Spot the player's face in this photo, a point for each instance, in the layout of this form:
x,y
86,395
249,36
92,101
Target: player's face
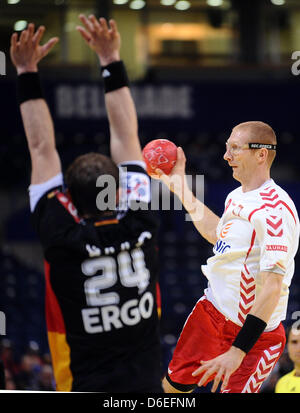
x,y
294,346
239,156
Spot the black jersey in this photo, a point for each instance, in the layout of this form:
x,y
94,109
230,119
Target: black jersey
x,y
101,299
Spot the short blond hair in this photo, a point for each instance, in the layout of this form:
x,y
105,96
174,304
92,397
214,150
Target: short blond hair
x,y
260,132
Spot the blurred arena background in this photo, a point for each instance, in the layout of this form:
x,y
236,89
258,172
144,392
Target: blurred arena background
x,y
197,68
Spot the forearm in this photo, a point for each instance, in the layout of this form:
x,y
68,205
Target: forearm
x,y
261,312
38,125
121,112
39,130
205,220
26,52
105,40
120,109
122,122
35,113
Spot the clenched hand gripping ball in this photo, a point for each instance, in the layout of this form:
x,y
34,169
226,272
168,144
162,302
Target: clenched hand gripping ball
x,y
161,154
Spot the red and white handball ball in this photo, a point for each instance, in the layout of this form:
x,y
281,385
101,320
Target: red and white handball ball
x,y
161,154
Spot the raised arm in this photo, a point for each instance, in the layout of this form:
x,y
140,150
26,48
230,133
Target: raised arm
x,y
105,41
25,53
205,220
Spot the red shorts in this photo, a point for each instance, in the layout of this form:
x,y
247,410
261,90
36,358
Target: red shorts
x,y
207,334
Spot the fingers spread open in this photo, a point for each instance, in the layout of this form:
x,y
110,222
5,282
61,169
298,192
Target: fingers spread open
x,y
209,372
87,23
103,24
217,380
86,35
48,46
38,35
24,37
30,31
113,26
95,23
199,369
225,381
13,41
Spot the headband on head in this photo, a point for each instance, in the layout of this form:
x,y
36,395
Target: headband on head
x,y
262,145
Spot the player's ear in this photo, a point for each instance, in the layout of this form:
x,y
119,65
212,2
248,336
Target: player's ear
x,y
262,154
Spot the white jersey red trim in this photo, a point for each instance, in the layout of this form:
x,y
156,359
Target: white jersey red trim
x,y
258,231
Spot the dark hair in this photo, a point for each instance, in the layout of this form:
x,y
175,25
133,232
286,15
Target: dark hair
x,y
290,329
81,178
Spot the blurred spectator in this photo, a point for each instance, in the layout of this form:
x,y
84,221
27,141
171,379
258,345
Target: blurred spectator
x,y
290,382
34,372
285,364
45,379
46,359
27,378
33,351
7,356
9,381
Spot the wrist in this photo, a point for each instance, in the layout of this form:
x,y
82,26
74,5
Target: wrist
x,y
238,352
26,69
250,332
114,76
106,60
28,87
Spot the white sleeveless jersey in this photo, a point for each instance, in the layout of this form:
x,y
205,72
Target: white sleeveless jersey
x,y
258,231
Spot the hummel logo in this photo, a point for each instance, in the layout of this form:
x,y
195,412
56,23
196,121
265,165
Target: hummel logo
x,y
274,226
106,73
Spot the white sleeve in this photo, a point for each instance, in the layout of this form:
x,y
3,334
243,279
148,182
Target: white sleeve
x,y
274,231
134,185
38,190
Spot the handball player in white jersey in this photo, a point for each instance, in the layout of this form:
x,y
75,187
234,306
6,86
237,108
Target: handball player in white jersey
x,y
234,334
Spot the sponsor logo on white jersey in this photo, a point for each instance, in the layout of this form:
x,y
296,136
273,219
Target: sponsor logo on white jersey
x,y
221,247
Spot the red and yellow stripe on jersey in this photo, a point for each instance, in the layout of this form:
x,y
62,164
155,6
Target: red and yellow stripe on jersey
x,y
59,348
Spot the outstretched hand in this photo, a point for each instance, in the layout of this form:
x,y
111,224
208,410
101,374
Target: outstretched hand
x,y
26,51
103,39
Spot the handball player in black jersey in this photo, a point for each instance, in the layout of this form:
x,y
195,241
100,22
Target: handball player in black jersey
x,y
97,231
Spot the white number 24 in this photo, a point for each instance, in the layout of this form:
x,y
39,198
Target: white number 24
x,y
132,271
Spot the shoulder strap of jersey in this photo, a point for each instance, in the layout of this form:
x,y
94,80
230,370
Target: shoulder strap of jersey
x,y
65,200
